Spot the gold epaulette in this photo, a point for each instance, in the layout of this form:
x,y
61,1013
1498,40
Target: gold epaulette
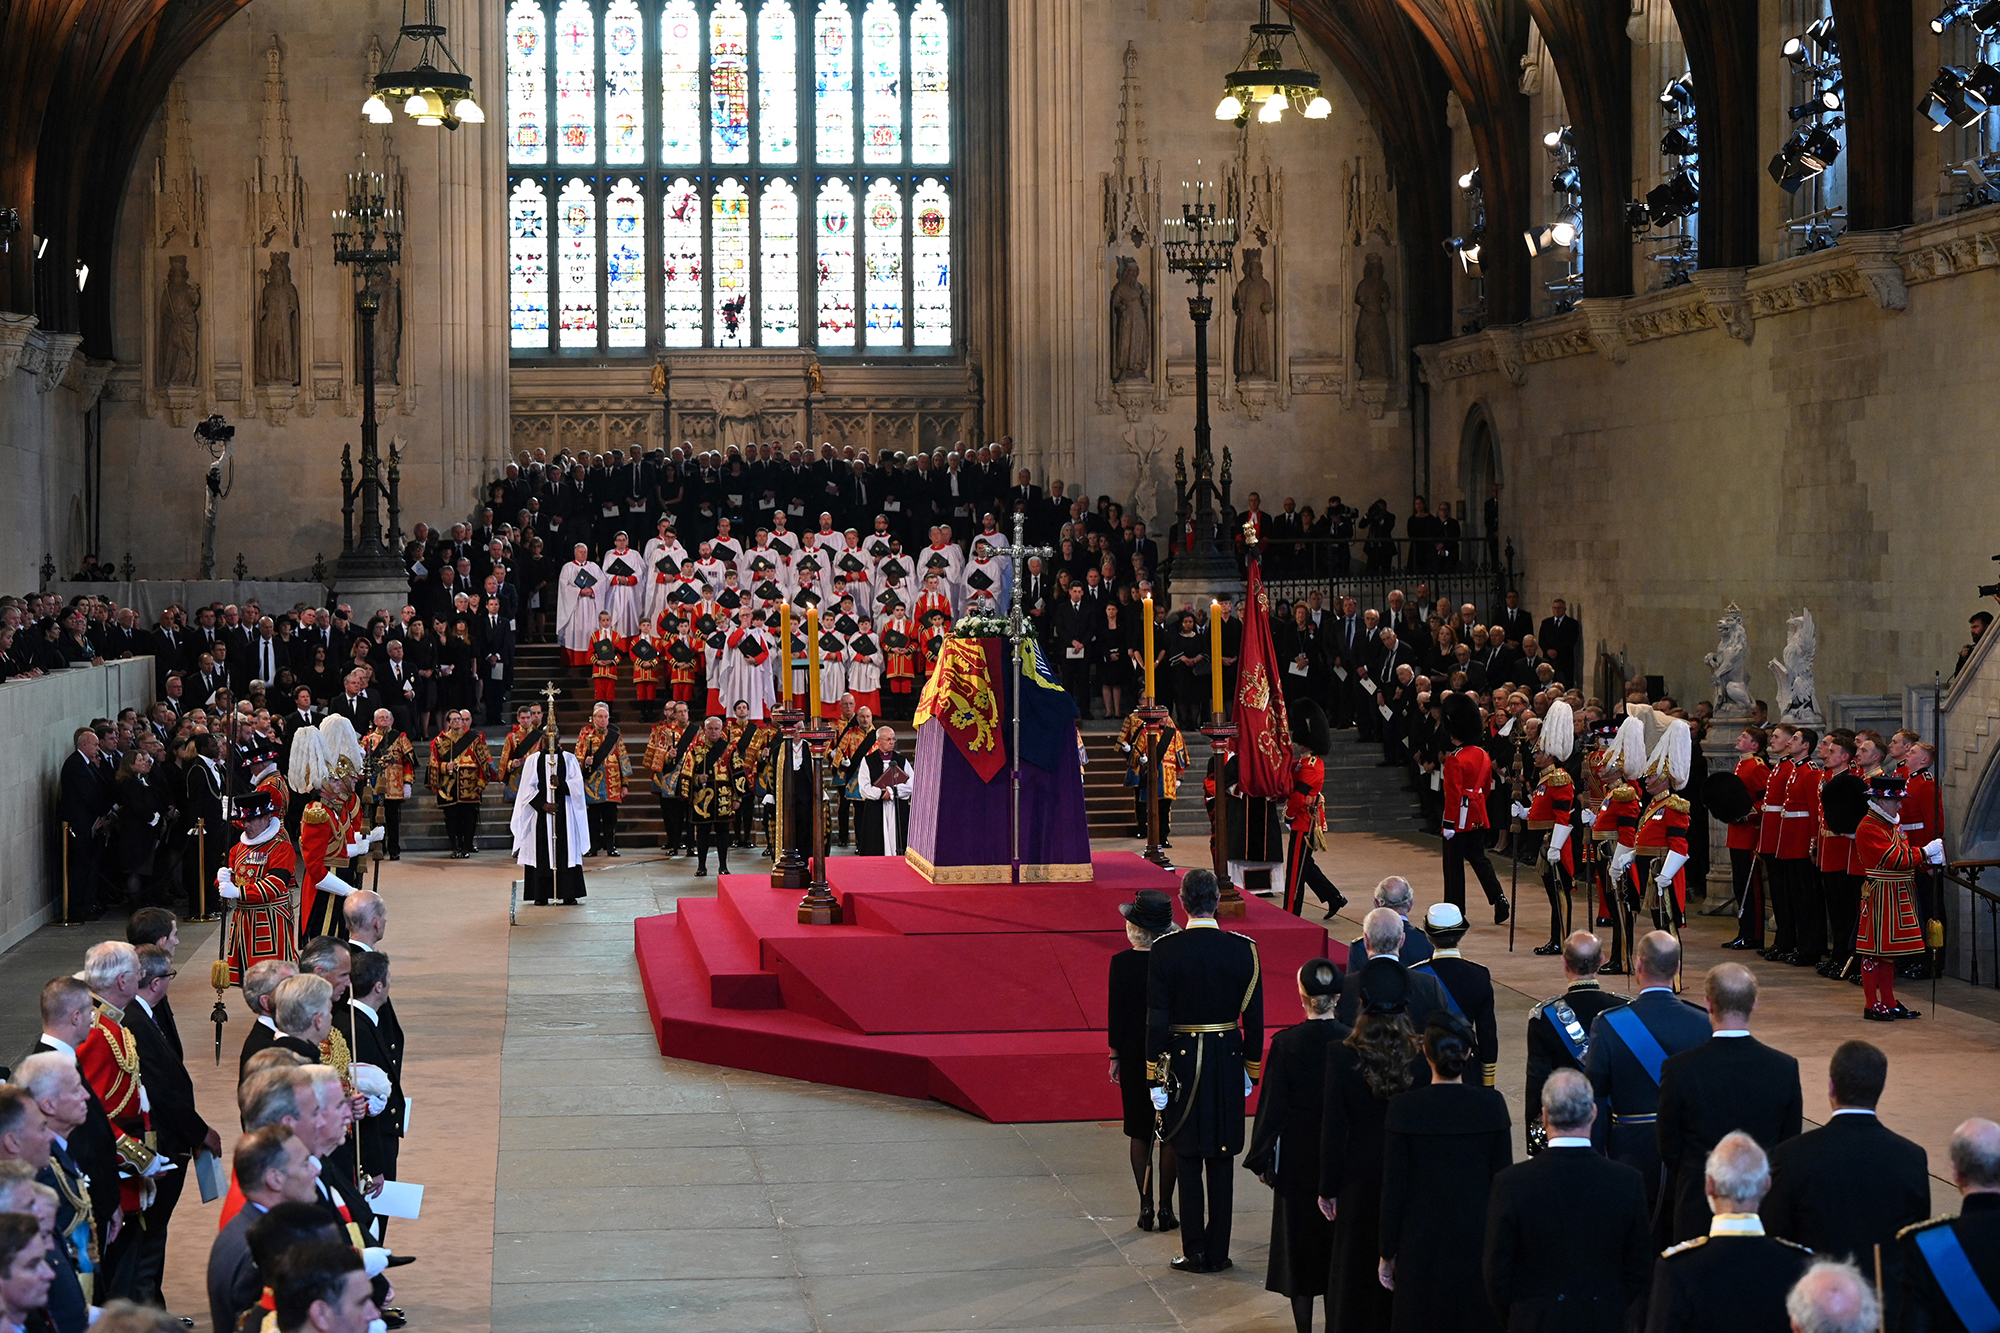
x,y
1683,1247
316,813
334,1052
1927,1222
1677,804
1622,792
1558,777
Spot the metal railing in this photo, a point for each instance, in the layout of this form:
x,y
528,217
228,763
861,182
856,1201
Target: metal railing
x,y
1476,570
1979,893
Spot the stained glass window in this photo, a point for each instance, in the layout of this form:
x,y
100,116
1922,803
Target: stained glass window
x,y
576,83
576,264
834,232
778,249
930,264
730,261
884,258
930,85
625,266
882,83
777,83
728,82
527,94
680,83
680,268
833,81
528,258
624,84
683,174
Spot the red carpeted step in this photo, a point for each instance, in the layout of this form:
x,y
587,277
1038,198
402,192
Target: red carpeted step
x,y
931,983
727,956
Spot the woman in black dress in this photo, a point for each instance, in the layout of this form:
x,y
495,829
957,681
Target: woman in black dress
x,y
1442,1146
1112,654
1285,1143
1148,916
142,818
461,681
420,653
1381,1059
1184,655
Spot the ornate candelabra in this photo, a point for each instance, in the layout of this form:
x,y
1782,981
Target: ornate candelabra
x,y
368,234
1202,245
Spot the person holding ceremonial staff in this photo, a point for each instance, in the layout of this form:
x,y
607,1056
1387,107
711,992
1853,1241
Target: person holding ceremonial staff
x,y
549,825
257,883
457,777
606,769
708,785
393,767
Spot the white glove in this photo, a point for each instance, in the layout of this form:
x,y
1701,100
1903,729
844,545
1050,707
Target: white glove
x,y
1934,851
1589,818
374,1260
1520,811
1558,836
1447,830
226,888
335,885
378,833
371,1082
1619,860
359,847
1669,868
1159,1099
224,875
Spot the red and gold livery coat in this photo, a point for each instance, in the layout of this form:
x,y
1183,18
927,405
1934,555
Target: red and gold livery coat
x,y
1623,806
260,922
108,1060
1663,828
1305,806
1552,804
328,828
1888,925
1468,773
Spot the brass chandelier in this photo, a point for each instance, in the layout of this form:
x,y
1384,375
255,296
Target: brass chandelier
x,y
1273,76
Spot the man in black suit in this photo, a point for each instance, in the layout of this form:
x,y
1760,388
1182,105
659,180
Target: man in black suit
x,y
1568,1234
167,642
1394,893
1730,1275
1629,1048
1205,1036
1514,621
1382,932
1949,1245
266,653
1730,1082
67,1014
260,983
305,1099
367,922
1852,1184
276,1175
86,803
181,1130
1559,1027
496,653
375,1044
1073,627
1561,637
356,702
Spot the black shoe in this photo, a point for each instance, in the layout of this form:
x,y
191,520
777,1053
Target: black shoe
x,y
1879,1015
1549,950
1166,1221
722,868
1737,944
700,871
1188,1263
614,852
1800,960
1220,1266
538,902
1501,911
1333,909
1146,1218
1612,970
395,856
1900,1012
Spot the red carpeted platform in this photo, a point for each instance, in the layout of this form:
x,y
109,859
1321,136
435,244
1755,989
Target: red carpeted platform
x,y
987,996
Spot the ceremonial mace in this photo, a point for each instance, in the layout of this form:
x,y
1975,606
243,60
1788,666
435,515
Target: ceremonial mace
x,y
1515,825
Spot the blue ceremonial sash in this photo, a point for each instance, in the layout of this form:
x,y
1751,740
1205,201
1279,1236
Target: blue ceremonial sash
x,y
1450,1000
1639,1040
1562,1018
1961,1286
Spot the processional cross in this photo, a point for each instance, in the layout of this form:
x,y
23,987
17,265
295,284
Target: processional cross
x,y
1020,553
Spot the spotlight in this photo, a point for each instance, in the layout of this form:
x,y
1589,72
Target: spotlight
x,y
1819,105
1674,199
1805,155
1984,83
1974,172
1470,180
82,274
1556,138
1636,216
1464,251
1820,34
1676,143
1678,94
1986,16
1950,14
1567,181
1957,96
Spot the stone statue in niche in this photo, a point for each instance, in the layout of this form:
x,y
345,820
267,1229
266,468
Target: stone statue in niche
x,y
178,358
1373,359
1729,666
739,413
1796,700
1131,324
388,330
1253,306
278,324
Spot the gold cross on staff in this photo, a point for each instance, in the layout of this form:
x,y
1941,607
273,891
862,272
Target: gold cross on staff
x,y
1250,531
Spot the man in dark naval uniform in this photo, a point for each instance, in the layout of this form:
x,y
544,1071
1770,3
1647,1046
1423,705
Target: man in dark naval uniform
x,y
1204,1047
1629,1045
1559,1027
1735,1278
1951,1265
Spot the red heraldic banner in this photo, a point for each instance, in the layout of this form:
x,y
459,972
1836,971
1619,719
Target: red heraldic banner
x,y
1263,733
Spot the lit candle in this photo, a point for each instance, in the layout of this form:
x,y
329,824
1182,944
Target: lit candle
x,y
1146,619
1215,658
812,661
785,652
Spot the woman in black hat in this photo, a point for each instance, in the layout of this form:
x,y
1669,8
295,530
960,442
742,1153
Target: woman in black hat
x,y
1379,1060
1148,916
1442,1145
1285,1143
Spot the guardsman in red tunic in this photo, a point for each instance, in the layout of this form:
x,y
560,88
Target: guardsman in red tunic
x,y
1888,928
1922,820
108,1060
1833,856
1795,869
1780,742
257,882
1305,812
333,833
1468,775
1745,870
1660,846
1547,817
1618,824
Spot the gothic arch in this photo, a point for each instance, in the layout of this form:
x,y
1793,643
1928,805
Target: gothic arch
x,y
1479,465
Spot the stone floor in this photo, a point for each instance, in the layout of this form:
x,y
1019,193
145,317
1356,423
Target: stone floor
x,y
577,1180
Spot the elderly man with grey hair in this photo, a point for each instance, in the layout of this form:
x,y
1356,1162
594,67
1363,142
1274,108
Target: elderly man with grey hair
x,y
1395,893
1382,932
1590,1281
1951,1259
1734,1279
22,1192
259,984
1833,1298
